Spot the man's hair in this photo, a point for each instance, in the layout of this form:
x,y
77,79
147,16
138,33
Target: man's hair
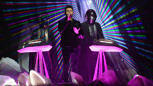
x,y
68,6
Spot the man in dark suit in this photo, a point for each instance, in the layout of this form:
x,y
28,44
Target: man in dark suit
x,y
91,32
91,29
68,28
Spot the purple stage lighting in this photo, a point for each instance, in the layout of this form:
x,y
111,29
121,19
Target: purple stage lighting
x,y
101,58
39,50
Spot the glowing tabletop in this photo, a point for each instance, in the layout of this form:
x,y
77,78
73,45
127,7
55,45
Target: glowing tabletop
x,y
101,58
39,57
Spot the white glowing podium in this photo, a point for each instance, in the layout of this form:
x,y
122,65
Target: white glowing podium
x,y
101,58
39,57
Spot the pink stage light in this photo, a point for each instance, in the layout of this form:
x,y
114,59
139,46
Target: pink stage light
x,y
97,48
35,49
139,80
101,58
39,50
76,78
109,78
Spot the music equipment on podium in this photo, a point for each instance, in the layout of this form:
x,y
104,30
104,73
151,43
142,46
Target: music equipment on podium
x,y
102,46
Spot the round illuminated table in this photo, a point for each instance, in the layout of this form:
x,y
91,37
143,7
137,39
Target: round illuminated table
x,y
41,68
101,58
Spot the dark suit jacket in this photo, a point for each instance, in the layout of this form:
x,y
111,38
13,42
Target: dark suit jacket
x,y
86,33
87,59
68,37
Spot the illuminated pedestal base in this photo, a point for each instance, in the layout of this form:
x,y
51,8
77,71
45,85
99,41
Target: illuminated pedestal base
x,y
101,58
39,58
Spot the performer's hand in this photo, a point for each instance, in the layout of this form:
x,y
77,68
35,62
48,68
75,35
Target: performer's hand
x,y
76,31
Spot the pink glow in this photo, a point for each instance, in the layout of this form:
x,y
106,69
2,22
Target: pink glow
x,y
76,78
40,61
110,78
69,17
46,72
81,37
98,74
96,69
105,64
91,21
41,70
139,80
35,49
99,66
97,48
